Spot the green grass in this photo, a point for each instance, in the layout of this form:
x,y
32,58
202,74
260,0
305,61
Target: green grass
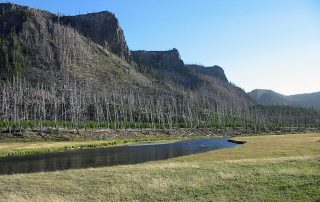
x,y
266,168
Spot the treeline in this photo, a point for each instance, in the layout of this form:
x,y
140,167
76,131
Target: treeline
x,y
78,105
276,116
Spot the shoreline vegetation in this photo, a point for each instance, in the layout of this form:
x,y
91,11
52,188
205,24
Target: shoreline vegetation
x,y
15,149
43,109
50,140
268,167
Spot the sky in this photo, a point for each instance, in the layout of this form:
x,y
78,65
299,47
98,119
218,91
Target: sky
x,y
261,44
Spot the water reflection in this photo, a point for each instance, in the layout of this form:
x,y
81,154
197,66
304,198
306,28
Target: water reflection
x,y
130,154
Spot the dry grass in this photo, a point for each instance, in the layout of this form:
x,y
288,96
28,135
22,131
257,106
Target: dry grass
x,y
267,168
17,149
269,146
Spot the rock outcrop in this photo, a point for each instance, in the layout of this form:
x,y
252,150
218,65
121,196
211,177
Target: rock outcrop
x,y
161,59
104,29
214,71
168,68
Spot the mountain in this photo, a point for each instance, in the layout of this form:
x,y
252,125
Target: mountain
x,y
104,29
269,97
91,48
46,48
203,82
214,71
79,68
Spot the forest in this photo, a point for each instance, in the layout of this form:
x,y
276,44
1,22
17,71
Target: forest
x,y
58,72
76,105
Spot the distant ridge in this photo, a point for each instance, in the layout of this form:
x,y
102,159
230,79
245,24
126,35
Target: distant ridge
x,y
269,97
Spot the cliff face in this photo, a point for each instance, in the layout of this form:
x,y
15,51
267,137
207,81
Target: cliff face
x,y
214,71
171,61
168,68
165,66
161,59
103,28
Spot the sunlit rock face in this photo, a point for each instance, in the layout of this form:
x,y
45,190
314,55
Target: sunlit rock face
x,y
104,29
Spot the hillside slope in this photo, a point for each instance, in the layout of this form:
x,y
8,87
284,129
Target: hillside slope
x,y
202,82
269,97
79,68
104,29
55,52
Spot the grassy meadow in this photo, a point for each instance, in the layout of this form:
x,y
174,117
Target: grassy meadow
x,y
266,168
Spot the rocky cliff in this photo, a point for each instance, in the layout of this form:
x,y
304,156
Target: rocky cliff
x,y
171,61
162,59
168,68
165,66
103,28
214,71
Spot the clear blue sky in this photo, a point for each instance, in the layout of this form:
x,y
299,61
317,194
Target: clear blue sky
x,y
270,44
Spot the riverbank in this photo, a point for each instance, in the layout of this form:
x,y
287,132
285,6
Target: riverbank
x,y
266,168
49,140
65,134
10,149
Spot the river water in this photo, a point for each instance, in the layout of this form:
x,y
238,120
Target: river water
x,y
121,155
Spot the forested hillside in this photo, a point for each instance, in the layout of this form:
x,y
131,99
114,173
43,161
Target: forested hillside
x,y
77,71
269,97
